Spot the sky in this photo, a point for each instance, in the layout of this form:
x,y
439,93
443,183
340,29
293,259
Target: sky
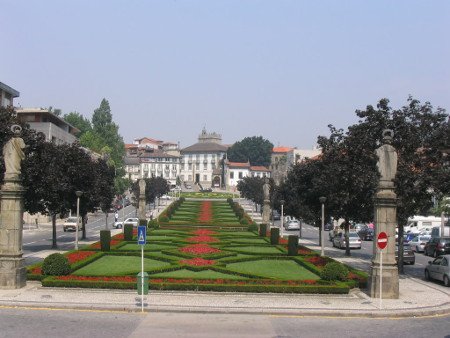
x,y
280,69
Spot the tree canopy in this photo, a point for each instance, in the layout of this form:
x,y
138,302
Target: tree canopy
x,y
255,149
78,121
155,187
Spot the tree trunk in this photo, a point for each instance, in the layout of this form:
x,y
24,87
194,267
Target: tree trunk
x,y
320,231
54,246
83,226
400,249
347,244
106,220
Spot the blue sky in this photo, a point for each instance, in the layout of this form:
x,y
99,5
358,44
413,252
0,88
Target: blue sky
x,y
280,69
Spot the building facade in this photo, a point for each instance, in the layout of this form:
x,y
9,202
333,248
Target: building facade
x,y
54,128
7,95
201,162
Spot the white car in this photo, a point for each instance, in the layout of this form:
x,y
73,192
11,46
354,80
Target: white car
x,y
165,197
134,221
354,241
292,225
71,224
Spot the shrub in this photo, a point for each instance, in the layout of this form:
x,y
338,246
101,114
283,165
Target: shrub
x,y
244,221
163,218
262,230
128,232
252,227
229,200
274,236
334,271
292,245
105,240
153,224
55,265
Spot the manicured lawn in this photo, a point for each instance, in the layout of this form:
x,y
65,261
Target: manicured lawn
x,y
280,269
255,249
118,265
205,274
148,247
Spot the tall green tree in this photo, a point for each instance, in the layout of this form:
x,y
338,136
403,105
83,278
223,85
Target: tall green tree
x,y
78,121
255,149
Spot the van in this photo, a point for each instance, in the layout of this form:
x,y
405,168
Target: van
x,y
436,232
418,223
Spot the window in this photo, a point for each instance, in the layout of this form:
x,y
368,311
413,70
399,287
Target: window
x,y
240,175
182,177
197,166
189,166
205,177
190,178
232,174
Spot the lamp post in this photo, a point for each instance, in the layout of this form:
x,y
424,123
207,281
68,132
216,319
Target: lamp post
x,y
78,193
282,215
322,228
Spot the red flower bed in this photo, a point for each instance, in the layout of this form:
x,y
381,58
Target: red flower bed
x,y
201,232
205,212
103,279
79,256
317,261
354,276
231,282
36,271
203,238
283,241
198,261
119,237
113,242
199,249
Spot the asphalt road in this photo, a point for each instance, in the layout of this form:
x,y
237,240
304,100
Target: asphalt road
x,y
37,239
61,323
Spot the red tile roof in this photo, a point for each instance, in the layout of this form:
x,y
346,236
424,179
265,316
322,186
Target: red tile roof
x,y
281,149
258,168
239,164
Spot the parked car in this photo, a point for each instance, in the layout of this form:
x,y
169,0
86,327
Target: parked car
x,y
366,233
354,241
275,216
132,220
408,255
437,246
293,224
439,269
206,190
417,244
71,224
165,197
357,226
328,227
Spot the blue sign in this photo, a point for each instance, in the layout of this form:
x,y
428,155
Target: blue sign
x,y
142,234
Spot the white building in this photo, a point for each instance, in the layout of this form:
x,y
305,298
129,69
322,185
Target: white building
x,y
7,95
236,171
201,162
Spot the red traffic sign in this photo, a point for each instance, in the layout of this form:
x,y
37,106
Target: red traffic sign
x,y
382,240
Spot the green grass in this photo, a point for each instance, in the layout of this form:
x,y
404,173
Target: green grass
x,y
204,274
279,269
260,250
118,265
248,241
148,247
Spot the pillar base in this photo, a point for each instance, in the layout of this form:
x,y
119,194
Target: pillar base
x,y
13,273
390,282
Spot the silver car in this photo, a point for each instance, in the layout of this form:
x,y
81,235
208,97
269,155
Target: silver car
x,y
292,225
439,269
354,241
417,244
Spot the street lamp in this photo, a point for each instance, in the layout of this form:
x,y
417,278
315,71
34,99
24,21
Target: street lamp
x,y
78,193
322,200
282,214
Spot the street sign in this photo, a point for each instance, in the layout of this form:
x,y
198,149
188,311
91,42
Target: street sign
x,y
382,240
142,235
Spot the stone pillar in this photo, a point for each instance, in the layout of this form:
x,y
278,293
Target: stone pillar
x,y
142,201
385,220
12,267
266,205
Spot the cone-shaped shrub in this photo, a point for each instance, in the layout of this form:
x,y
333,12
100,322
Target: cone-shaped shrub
x,y
128,232
55,265
262,230
292,245
105,240
274,236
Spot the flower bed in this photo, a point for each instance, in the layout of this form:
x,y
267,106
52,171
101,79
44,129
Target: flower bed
x,y
199,249
198,261
202,238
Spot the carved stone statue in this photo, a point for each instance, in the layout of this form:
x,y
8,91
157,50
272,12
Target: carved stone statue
x,y
387,157
13,153
266,189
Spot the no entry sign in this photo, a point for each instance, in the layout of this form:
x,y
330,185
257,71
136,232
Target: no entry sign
x,y
382,240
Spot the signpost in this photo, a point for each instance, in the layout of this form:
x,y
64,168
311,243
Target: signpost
x,y
382,241
142,240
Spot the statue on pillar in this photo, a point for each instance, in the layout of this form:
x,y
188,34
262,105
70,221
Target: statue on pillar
x,y
12,266
13,154
385,220
266,205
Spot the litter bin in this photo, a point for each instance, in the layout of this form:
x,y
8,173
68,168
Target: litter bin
x,y
139,283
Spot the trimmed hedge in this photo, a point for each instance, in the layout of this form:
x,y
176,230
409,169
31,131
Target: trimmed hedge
x,y
105,240
128,232
274,236
55,265
292,245
262,230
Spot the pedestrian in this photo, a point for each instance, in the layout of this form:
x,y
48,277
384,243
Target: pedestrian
x,y
116,216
